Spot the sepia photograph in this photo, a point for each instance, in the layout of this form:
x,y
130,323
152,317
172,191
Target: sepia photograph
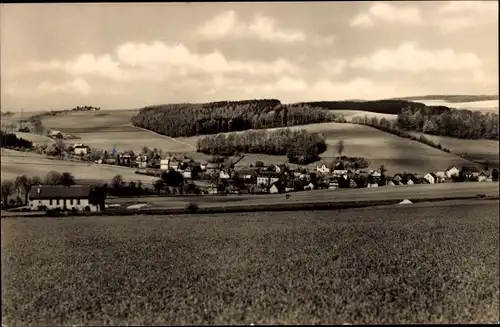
x,y
249,163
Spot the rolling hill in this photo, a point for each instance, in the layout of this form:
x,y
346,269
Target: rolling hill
x,y
107,128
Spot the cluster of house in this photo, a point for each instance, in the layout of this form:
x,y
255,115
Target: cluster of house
x,y
54,134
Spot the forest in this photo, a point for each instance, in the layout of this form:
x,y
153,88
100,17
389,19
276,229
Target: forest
x,y
9,140
183,120
392,107
463,124
299,146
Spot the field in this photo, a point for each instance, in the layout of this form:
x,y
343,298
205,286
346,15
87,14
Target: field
x,y
477,150
397,154
349,114
484,105
420,191
14,163
437,264
105,129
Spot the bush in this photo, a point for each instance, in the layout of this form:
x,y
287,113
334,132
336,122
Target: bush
x,y
192,207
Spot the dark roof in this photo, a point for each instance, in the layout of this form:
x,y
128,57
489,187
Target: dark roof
x,y
433,175
59,192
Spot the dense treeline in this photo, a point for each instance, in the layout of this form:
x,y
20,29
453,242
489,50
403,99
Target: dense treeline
x,y
300,146
11,140
392,107
464,124
187,119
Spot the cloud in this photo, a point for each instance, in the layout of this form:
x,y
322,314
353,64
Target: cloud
x,y
457,15
157,61
263,28
389,14
77,86
410,58
333,66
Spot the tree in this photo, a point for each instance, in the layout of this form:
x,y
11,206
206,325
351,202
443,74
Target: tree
x,y
494,175
23,186
7,189
382,175
340,147
67,179
159,185
117,183
53,178
486,166
173,178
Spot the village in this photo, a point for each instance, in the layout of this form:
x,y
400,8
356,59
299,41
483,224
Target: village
x,y
225,175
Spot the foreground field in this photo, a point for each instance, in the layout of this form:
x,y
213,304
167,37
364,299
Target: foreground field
x,y
421,191
14,163
477,150
437,264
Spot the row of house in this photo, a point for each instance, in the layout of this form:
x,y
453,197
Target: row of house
x,y
468,172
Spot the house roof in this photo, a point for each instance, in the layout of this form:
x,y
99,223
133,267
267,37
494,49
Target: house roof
x,y
451,167
432,174
59,192
212,165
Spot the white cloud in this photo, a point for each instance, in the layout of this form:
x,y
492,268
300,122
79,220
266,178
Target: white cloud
x,y
228,25
77,86
387,13
457,15
333,66
157,61
410,58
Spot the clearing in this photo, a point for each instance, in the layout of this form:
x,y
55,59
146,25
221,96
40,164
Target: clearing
x,y
14,163
392,265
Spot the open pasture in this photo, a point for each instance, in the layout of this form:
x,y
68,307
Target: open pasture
x,y
350,114
437,264
419,191
477,150
105,129
14,163
483,105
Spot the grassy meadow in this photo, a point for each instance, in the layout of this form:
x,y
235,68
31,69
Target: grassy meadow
x,y
477,150
395,265
14,163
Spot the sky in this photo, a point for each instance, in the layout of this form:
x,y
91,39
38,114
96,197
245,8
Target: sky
x,y
131,55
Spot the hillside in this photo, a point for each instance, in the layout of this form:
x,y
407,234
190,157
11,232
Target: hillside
x,y
15,163
395,153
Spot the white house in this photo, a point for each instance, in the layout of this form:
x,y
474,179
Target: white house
x,y
274,189
309,186
266,180
212,189
164,164
372,185
61,197
80,149
224,174
141,161
409,182
452,171
187,173
322,169
431,178
334,184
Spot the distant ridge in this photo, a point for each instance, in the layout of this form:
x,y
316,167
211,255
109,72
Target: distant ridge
x,y
451,98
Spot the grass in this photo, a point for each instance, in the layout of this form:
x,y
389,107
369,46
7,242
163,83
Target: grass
x,y
438,264
14,163
482,105
320,196
397,154
349,114
103,132
477,150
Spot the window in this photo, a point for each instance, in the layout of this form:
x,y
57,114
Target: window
x,y
71,202
78,201
50,202
57,202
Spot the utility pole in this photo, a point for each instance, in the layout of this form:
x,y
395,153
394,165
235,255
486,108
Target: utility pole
x,y
21,120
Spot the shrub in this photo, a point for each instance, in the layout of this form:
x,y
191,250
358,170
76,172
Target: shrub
x,y
192,207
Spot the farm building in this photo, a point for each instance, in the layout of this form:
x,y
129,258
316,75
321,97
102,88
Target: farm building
x,y
322,168
452,171
431,178
80,149
267,179
77,197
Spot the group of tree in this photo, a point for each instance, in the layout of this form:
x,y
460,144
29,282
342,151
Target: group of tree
x,y
86,108
299,146
10,140
392,107
177,120
464,124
